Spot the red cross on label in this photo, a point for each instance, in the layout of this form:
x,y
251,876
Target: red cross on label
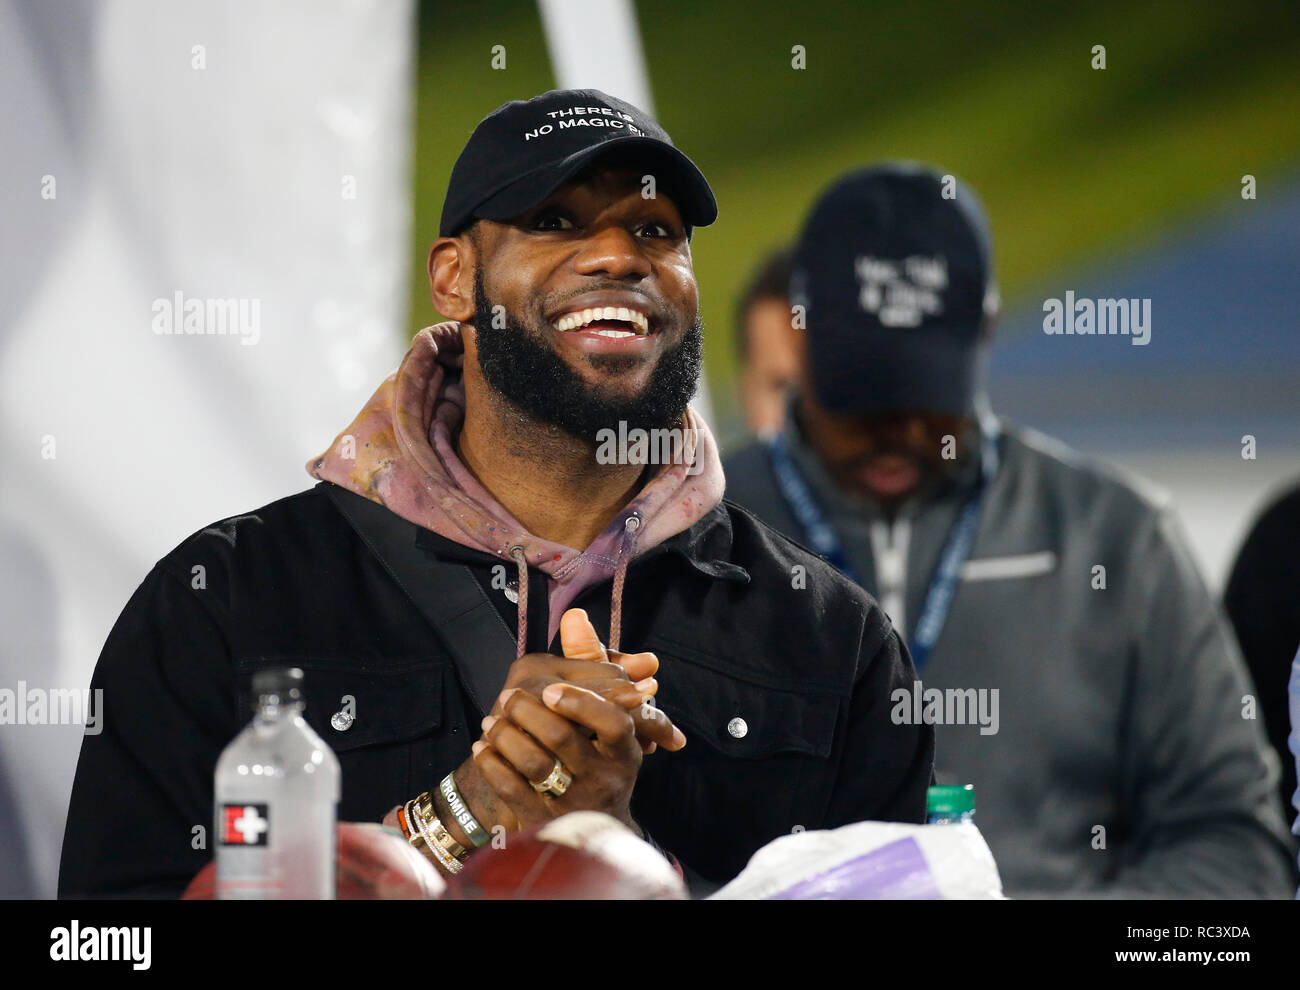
x,y
245,824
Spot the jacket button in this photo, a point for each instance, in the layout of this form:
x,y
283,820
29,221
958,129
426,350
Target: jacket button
x,y
342,721
737,727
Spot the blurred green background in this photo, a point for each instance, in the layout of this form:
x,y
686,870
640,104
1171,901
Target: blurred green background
x,y
1071,162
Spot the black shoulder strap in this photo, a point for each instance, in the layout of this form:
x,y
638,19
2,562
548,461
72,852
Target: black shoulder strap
x,y
447,594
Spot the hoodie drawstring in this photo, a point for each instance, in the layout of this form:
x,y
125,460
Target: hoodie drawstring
x,y
631,525
521,638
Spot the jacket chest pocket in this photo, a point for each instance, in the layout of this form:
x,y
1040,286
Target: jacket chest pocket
x,y
381,722
757,757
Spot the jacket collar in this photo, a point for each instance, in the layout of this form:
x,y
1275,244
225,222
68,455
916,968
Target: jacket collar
x,y
705,545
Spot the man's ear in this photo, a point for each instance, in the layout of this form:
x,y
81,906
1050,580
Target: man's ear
x,y
451,277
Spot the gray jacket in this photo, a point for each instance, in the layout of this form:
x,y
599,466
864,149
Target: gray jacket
x,y
1099,713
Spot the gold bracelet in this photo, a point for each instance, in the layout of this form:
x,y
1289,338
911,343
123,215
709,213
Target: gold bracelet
x,y
444,838
430,849
448,862
430,836
439,831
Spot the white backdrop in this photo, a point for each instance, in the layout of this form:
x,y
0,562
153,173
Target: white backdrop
x,y
616,66
240,150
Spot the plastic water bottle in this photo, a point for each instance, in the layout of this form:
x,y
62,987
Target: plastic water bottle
x,y
950,805
277,793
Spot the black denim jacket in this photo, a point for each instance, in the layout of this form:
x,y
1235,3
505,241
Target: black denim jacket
x,y
746,624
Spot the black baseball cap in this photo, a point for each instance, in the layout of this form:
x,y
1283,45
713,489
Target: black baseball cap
x,y
525,149
894,267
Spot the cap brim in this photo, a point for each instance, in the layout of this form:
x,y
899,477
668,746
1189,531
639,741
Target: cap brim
x,y
896,374
681,179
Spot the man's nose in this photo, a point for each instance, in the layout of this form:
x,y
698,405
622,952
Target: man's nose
x,y
891,434
614,252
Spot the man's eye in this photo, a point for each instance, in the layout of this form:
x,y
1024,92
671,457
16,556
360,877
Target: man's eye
x,y
552,221
654,229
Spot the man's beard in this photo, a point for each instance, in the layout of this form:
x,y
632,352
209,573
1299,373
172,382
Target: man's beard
x,y
528,372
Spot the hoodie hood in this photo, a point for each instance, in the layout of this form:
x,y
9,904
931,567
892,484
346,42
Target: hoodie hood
x,y
399,451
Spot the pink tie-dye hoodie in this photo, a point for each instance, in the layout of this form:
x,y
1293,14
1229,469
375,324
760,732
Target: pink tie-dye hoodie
x,y
399,451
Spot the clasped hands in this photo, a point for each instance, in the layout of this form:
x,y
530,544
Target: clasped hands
x,y
590,709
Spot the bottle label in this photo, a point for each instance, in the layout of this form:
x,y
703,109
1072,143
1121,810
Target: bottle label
x,y
245,825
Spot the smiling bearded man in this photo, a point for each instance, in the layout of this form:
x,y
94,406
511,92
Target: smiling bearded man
x,y
459,585
519,364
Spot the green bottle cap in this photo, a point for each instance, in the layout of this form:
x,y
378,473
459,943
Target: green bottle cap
x,y
950,800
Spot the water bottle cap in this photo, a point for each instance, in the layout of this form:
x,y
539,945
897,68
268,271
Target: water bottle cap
x,y
951,800
284,683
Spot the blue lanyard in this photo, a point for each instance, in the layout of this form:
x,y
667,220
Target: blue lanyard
x,y
799,497
956,548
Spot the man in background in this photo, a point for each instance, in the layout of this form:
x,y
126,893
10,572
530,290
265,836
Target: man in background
x,y
767,345
1077,670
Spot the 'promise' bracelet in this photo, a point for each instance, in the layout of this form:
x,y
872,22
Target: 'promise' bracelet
x,y
460,811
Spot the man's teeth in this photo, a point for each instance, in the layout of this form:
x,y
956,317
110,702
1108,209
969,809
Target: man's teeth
x,y
579,319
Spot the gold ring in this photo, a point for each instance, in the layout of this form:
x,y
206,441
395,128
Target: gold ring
x,y
556,783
